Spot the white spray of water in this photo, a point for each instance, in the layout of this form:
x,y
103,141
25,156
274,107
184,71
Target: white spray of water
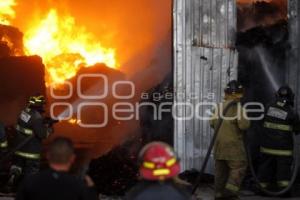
x,y
95,89
262,55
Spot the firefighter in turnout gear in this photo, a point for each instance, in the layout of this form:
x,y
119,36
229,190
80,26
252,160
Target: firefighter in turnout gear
x,y
279,125
31,130
229,151
3,139
3,146
159,167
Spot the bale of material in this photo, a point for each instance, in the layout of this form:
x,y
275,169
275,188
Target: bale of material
x,y
11,41
20,77
99,139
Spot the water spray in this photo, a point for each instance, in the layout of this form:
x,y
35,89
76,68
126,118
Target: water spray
x,y
263,57
72,109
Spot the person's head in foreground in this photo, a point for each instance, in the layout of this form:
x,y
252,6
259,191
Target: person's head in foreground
x,y
61,154
158,162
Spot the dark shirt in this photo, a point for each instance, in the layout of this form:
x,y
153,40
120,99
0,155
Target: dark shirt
x,y
53,185
150,190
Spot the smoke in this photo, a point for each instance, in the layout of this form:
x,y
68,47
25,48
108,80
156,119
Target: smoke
x,y
252,13
266,66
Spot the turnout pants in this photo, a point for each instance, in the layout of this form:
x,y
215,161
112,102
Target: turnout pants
x,y
23,167
275,168
228,177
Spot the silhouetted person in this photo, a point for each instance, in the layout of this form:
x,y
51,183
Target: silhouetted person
x,y
56,183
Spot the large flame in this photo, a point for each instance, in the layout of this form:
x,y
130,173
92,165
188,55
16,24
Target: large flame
x,y
65,47
7,12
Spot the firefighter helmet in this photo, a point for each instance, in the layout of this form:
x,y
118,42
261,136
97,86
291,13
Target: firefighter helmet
x,y
158,162
37,101
234,87
285,93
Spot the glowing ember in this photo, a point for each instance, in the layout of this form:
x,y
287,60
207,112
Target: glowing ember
x,y
74,121
65,47
6,11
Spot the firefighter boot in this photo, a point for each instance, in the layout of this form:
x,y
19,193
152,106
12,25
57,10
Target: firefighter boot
x,y
15,173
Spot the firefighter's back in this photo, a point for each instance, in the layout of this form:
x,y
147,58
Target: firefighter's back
x,y
278,127
149,190
50,184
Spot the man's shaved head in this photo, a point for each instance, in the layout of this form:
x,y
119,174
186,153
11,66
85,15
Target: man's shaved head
x,y
60,151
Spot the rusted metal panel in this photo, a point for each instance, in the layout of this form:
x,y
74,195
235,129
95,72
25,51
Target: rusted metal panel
x,y
293,72
213,23
204,60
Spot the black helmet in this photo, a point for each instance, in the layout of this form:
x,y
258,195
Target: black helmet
x,y
285,93
37,101
234,87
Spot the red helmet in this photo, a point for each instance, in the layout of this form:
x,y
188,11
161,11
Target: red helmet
x,y
158,162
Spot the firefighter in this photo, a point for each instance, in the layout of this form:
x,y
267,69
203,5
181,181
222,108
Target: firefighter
x,y
279,125
3,139
3,146
159,168
229,152
31,130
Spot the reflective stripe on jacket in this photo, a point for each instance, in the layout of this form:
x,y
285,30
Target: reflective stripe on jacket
x,y
28,155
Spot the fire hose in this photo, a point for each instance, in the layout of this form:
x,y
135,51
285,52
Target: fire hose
x,y
253,173
211,145
292,180
50,122
19,146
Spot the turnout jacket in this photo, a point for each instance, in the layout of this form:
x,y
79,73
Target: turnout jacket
x,y
3,138
279,124
31,124
164,190
229,143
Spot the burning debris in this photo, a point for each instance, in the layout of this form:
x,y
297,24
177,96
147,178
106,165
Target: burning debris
x,y
117,171
11,41
67,50
7,13
69,47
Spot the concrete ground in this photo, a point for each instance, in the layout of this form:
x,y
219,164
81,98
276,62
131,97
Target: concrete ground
x,y
244,198
205,193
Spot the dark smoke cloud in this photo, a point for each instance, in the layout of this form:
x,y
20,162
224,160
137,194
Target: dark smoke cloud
x,y
253,13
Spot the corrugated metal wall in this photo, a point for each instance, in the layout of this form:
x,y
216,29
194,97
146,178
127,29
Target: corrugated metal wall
x,y
293,72
204,61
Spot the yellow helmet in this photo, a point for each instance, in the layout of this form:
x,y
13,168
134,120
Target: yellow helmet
x,y
37,101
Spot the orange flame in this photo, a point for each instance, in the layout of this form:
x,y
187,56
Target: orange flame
x,y
7,12
74,121
65,47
